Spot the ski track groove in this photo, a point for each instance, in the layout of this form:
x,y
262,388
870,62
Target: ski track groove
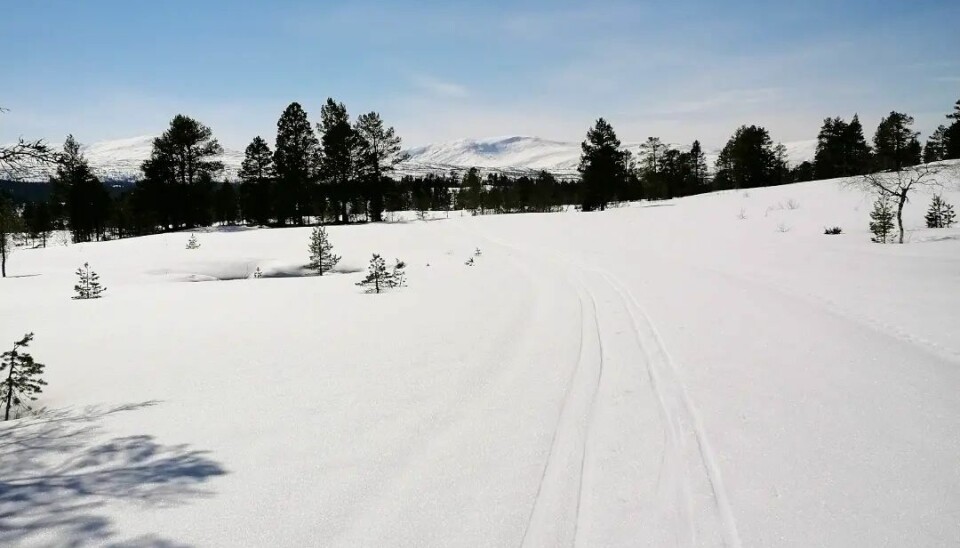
x,y
671,381
670,392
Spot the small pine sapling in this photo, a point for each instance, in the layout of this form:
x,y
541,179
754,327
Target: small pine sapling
x,y
322,258
469,262
23,380
881,224
192,243
477,253
378,277
257,274
833,230
88,287
948,217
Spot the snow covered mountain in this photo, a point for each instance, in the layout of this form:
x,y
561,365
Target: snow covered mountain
x,y
119,160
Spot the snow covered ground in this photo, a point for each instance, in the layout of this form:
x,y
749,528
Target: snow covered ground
x,y
708,371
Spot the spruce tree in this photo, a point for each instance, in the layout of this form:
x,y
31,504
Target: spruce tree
x,y
895,143
87,200
339,143
257,175
857,153
322,258
10,224
378,277
604,167
296,158
88,285
192,243
829,160
940,214
23,380
698,166
952,136
881,224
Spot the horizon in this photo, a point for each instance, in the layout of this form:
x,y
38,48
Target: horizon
x,y
693,71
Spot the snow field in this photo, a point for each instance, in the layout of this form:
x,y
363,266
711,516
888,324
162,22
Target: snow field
x,y
657,374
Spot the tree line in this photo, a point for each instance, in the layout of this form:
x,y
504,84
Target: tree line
x,y
341,170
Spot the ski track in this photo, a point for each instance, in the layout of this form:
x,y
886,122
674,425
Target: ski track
x,y
687,480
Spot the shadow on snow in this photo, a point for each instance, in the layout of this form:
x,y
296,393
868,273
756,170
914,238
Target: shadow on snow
x,y
56,474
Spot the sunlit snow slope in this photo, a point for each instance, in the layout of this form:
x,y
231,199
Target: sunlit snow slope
x,y
708,371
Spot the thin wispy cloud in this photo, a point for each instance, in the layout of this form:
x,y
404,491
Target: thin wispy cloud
x,y
683,71
439,88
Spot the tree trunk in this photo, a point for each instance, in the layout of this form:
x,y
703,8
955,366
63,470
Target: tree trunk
x,y
903,200
13,361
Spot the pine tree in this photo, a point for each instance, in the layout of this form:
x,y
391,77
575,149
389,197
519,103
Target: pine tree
x,y
322,258
88,287
747,160
378,277
180,172
940,214
378,154
604,167
936,147
881,224
896,143
296,158
23,380
192,243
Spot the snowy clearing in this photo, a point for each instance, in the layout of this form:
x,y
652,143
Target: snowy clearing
x,y
708,371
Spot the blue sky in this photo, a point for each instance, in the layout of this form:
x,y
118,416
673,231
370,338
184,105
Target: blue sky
x,y
445,70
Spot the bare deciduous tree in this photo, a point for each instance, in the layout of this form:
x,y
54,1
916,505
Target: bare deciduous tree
x,y
898,184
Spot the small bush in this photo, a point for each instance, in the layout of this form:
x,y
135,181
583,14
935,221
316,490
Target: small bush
x,y
833,230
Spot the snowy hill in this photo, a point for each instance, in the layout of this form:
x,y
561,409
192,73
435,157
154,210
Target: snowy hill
x,y
705,371
514,155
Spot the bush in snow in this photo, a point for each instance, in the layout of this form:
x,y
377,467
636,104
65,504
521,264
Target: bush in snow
x,y
881,223
258,273
477,253
833,230
192,243
469,262
940,214
23,380
398,277
793,204
88,287
322,258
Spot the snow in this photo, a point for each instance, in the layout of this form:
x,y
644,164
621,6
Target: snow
x,y
662,373
120,159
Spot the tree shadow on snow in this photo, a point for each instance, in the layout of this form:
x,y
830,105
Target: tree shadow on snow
x,y
57,472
